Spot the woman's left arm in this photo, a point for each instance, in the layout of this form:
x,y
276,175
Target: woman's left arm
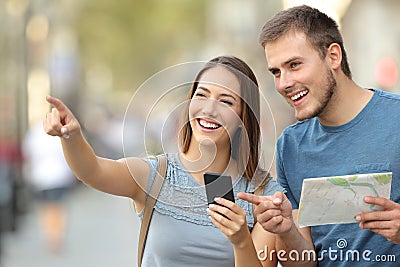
x,y
234,226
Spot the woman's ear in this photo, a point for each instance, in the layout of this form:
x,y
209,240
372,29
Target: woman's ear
x,y
334,56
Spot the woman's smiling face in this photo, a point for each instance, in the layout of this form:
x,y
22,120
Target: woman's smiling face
x,y
215,108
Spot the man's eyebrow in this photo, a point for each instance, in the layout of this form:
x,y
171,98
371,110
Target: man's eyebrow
x,y
291,59
285,63
271,69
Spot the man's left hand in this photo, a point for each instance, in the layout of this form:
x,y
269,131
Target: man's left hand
x,y
385,222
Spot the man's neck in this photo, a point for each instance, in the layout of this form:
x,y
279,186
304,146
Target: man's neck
x,y
347,102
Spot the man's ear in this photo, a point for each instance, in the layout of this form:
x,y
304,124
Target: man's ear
x,y
334,56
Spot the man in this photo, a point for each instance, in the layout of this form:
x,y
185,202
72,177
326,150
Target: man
x,y
343,129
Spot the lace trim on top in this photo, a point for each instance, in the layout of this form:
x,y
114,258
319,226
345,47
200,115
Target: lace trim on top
x,y
183,198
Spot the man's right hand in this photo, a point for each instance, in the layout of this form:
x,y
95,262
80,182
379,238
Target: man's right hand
x,y
274,213
60,121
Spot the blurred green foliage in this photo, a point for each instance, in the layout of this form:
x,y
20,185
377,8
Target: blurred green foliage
x,y
136,39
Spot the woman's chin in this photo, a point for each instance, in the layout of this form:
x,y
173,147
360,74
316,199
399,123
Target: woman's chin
x,y
207,142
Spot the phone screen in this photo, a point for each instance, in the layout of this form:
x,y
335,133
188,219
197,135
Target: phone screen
x,y
218,185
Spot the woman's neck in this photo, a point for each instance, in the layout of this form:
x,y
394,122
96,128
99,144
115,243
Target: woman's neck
x,y
208,158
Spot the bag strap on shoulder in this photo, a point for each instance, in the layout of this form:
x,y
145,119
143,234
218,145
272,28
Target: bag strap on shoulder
x,y
149,205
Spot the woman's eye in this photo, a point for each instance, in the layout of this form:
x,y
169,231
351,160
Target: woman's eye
x,y
227,102
200,95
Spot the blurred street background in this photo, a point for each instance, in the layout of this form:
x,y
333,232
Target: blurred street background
x,y
102,231
94,54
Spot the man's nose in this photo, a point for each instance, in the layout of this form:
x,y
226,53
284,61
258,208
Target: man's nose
x,y
285,82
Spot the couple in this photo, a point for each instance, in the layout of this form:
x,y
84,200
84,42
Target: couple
x,y
342,129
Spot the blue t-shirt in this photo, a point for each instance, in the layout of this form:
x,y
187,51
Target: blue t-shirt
x,y
370,143
180,232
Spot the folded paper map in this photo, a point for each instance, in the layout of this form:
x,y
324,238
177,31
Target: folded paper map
x,y
338,199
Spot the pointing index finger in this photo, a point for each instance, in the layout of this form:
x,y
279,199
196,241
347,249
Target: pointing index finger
x,y
250,198
57,103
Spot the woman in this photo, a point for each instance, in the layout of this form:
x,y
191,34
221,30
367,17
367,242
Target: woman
x,y
220,134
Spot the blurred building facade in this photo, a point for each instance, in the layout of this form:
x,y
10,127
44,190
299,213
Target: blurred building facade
x,y
13,110
371,31
31,59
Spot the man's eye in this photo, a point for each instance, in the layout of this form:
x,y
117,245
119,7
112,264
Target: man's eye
x,y
276,73
294,65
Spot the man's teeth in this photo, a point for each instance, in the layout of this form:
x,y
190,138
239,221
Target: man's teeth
x,y
297,96
207,124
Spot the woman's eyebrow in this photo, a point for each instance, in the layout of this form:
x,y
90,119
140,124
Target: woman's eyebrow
x,y
228,95
204,89
224,94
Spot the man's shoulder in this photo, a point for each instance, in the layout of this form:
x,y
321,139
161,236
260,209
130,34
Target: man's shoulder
x,y
295,132
298,127
388,95
387,103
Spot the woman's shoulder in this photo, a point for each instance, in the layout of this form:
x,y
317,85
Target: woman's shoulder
x,y
272,186
265,185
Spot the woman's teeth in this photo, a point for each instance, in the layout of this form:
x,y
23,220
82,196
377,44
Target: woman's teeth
x,y
207,124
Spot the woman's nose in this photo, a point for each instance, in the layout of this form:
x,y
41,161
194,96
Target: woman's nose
x,y
209,107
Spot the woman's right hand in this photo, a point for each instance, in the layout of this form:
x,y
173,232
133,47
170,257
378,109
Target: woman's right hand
x,y
123,177
60,121
230,218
